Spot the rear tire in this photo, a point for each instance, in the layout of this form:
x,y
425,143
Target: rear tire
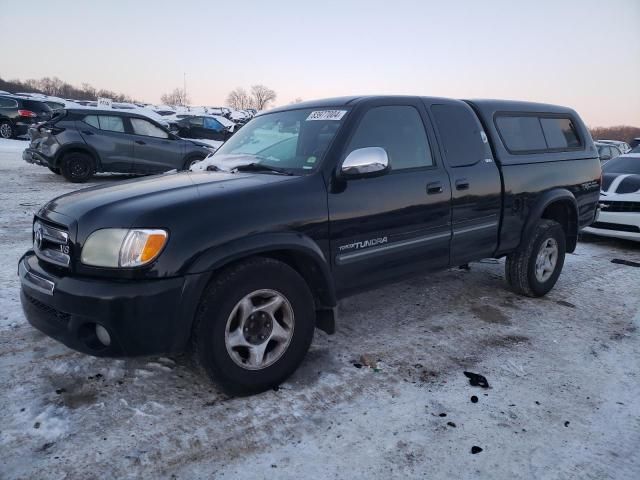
x,y
6,130
534,268
77,167
231,328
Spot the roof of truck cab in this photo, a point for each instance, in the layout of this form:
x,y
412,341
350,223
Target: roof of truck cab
x,y
491,105
482,104
349,101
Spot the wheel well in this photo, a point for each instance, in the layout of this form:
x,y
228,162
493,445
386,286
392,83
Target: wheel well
x,y
308,269
190,157
564,212
304,265
76,150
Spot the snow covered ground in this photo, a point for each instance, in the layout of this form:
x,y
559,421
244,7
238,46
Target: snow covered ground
x,y
564,371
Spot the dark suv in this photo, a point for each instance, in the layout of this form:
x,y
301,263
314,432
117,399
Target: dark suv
x,y
80,142
17,114
204,126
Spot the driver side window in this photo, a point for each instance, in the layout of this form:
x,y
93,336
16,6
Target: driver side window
x,y
400,131
148,129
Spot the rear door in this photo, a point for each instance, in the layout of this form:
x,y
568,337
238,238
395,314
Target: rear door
x,y
387,226
155,150
108,137
475,181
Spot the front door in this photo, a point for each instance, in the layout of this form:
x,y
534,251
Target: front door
x,y
386,226
475,181
154,149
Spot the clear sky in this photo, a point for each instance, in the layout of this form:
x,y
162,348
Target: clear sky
x,y
580,53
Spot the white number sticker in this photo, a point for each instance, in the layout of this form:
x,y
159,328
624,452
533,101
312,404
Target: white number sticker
x,y
326,115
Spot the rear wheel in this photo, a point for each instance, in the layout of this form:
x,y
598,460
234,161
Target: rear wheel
x,y
534,268
77,167
254,325
6,130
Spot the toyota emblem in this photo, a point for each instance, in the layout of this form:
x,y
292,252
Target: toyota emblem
x,y
37,238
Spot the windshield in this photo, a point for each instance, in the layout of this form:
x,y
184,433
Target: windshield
x,y
635,149
294,140
622,165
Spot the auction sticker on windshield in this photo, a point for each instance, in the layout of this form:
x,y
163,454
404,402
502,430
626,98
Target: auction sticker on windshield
x,y
326,115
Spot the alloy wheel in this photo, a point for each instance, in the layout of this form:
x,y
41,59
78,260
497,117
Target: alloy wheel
x,y
259,329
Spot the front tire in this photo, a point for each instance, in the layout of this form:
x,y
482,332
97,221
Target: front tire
x,y
254,325
77,167
534,268
192,161
6,130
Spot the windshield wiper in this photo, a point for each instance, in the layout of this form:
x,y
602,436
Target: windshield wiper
x,y
260,167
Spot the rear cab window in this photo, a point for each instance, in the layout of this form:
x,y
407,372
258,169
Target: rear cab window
x,y
464,141
537,133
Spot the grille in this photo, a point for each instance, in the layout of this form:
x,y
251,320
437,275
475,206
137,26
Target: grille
x,y
61,317
616,226
620,206
51,243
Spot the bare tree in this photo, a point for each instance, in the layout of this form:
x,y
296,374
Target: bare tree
x,y
177,97
296,100
261,96
624,133
239,99
55,86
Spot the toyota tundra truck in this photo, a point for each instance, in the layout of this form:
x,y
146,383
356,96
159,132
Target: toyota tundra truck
x,y
239,259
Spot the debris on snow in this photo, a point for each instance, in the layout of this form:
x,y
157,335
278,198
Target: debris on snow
x,y
477,380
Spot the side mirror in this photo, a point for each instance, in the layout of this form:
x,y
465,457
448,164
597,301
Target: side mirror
x,y
369,161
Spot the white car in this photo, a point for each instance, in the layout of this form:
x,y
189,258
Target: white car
x,y
619,215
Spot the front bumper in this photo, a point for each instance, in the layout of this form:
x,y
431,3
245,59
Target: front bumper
x,y
31,155
142,317
624,225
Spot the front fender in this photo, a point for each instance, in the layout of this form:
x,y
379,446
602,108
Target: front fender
x,y
288,243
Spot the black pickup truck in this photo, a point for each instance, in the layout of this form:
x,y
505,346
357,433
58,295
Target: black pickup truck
x,y
243,256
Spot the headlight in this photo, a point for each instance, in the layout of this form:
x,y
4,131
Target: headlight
x,y
119,247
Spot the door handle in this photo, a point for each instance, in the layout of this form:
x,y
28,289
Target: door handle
x,y
435,187
462,184
140,142
87,132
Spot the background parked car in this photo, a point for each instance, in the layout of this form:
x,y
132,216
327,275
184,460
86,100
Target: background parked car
x,y
79,142
620,199
205,126
622,146
17,114
607,151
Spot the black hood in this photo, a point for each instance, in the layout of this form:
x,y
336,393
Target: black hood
x,y
629,184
